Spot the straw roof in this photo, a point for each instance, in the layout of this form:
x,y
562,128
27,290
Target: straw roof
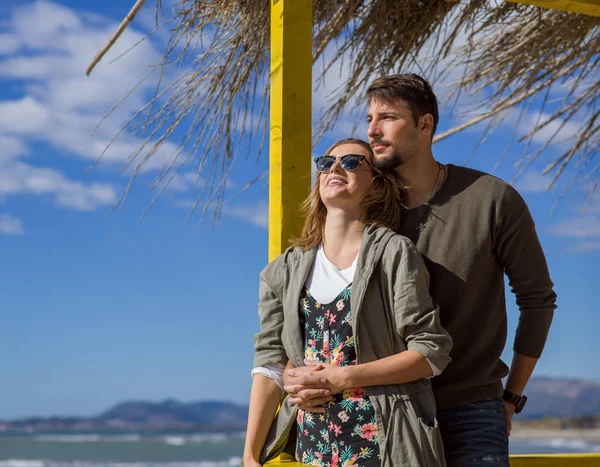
x,y
503,58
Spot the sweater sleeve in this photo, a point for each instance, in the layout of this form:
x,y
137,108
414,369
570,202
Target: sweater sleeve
x,y
518,250
268,346
417,318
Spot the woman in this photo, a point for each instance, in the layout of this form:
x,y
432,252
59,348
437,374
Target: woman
x,y
351,296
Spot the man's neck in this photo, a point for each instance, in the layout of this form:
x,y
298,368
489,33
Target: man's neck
x,y
342,237
423,176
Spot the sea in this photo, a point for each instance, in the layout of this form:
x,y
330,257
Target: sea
x,y
176,450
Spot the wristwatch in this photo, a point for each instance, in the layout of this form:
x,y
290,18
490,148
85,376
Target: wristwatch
x,y
516,400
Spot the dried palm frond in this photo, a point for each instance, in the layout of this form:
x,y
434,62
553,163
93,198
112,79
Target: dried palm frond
x,y
511,53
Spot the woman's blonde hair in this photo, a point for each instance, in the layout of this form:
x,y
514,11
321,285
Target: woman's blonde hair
x,y
381,207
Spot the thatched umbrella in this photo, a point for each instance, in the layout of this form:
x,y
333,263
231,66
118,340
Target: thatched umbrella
x,y
515,53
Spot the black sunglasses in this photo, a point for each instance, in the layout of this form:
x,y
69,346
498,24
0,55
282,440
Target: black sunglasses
x,y
349,162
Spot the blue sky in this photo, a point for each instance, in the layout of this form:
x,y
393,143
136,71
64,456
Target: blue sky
x,y
98,309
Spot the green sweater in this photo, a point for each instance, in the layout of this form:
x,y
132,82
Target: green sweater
x,y
475,229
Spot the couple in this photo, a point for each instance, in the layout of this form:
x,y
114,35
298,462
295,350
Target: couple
x,y
391,342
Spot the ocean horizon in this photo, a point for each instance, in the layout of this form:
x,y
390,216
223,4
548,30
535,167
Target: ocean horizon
x,y
180,450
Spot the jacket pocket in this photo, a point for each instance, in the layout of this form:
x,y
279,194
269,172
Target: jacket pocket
x,y
432,440
419,408
410,432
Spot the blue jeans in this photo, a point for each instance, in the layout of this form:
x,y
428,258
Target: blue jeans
x,y
475,434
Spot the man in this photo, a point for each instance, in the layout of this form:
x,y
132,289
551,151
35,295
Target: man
x,y
471,228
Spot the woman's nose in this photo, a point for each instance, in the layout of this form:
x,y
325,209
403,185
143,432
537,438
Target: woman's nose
x,y
336,166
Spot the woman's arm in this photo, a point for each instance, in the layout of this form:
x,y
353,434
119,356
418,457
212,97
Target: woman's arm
x,y
264,398
268,347
268,352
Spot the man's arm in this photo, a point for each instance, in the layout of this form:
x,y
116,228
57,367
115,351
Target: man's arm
x,y
519,251
395,369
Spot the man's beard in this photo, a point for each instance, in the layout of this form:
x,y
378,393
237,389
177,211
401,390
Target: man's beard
x,y
389,162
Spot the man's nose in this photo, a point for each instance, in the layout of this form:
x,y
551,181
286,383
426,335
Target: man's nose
x,y
373,131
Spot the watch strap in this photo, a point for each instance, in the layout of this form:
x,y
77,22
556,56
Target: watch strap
x,y
515,399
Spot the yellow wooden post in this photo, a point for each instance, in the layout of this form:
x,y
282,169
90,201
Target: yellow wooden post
x,y
585,7
290,143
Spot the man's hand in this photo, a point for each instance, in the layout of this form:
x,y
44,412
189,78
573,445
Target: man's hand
x,y
336,377
520,372
509,411
307,387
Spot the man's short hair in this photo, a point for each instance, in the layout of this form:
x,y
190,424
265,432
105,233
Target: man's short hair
x,y
409,88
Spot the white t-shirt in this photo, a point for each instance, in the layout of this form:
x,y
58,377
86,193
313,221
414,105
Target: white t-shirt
x,y
325,282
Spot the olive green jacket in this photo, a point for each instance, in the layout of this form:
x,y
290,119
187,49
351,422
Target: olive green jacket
x,y
391,312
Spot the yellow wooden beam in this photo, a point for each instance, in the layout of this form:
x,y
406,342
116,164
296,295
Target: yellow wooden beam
x,y
528,460
290,122
585,7
553,460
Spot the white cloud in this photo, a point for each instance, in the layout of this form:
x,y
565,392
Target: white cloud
x,y
146,19
586,226
256,214
185,182
56,105
532,182
23,117
587,247
61,105
8,44
11,148
582,231
50,20
556,130
18,178
593,204
10,225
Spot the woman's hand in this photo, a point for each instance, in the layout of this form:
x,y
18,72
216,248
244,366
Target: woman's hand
x,y
306,387
312,386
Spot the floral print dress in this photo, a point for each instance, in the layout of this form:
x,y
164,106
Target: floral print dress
x,y
346,434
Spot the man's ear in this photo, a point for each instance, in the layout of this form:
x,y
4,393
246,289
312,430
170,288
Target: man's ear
x,y
426,125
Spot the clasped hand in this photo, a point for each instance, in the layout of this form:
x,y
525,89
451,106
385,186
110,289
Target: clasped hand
x,y
311,386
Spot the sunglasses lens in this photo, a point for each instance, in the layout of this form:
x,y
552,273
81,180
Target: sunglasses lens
x,y
350,163
324,163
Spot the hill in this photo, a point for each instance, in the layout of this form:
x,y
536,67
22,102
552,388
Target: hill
x,y
548,398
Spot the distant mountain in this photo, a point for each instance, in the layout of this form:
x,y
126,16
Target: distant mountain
x,y
548,397
143,415
174,413
560,397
